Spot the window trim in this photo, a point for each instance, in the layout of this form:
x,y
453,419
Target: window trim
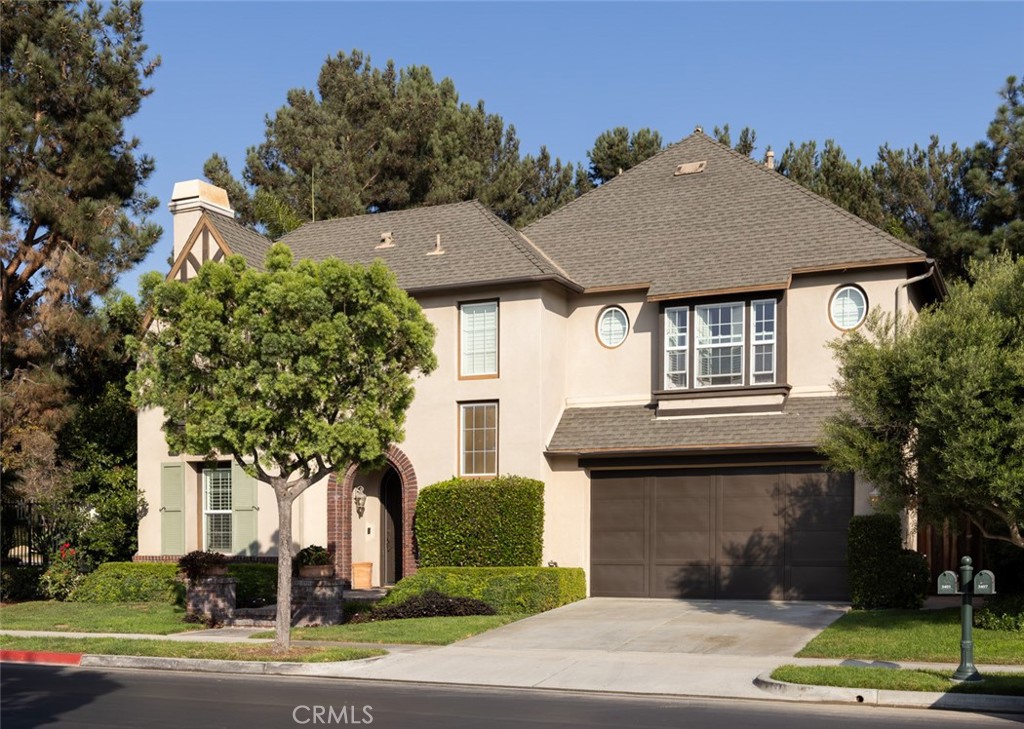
x,y
600,317
662,391
831,300
742,343
206,511
665,349
773,341
497,339
460,424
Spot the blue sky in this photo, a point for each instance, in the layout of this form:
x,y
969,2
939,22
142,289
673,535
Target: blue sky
x,y
861,73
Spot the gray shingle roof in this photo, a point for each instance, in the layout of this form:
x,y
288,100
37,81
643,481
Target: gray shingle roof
x,y
634,428
733,225
478,246
250,245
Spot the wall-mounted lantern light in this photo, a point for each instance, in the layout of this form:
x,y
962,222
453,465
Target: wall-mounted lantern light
x,y
359,499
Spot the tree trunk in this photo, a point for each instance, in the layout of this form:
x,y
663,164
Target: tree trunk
x,y
283,623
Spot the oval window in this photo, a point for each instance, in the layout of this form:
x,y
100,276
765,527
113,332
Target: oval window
x,y
848,308
612,326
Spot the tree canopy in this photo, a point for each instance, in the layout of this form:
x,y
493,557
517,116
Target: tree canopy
x,y
936,416
73,207
292,372
616,151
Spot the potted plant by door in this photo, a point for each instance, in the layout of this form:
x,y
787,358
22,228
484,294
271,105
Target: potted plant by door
x,y
314,562
203,564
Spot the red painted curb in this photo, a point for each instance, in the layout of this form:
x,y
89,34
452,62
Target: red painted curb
x,y
61,659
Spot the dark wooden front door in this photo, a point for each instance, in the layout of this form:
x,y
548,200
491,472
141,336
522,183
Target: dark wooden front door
x,y
390,528
742,533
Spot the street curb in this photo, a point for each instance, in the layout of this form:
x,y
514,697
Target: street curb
x,y
207,665
41,657
884,697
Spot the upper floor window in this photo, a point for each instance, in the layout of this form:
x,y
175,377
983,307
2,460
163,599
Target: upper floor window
x,y
848,307
612,326
732,344
478,339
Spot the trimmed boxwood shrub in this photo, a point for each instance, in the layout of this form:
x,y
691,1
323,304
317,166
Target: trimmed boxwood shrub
x,y
507,589
131,582
471,523
19,583
882,574
257,584
431,604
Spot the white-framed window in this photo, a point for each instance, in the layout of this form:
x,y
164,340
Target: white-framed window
x,y
478,439
612,326
848,307
718,344
217,508
677,349
478,339
762,335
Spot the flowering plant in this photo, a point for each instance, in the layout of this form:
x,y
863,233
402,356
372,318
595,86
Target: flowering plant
x,y
63,574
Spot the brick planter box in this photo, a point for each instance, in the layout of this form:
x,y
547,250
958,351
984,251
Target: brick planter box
x,y
211,597
317,601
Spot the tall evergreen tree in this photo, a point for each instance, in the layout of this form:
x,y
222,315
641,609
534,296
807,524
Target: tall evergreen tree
x,y
73,205
616,150
746,143
830,174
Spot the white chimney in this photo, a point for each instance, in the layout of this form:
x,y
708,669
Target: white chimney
x,y
769,160
188,201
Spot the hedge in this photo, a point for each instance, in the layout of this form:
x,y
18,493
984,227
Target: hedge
x,y
19,583
470,523
882,574
257,584
507,589
131,582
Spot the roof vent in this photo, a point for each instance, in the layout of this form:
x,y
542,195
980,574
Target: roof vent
x,y
437,247
769,160
698,129
690,168
386,240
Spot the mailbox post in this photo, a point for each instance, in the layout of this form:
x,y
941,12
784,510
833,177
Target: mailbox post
x,y
984,583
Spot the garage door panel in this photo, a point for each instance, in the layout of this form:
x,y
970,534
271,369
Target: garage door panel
x,y
750,582
747,548
619,514
818,513
611,580
816,548
812,582
692,582
684,487
750,486
620,546
683,546
684,514
803,483
749,514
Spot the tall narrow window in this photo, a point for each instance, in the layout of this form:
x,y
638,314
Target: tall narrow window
x,y
478,342
719,345
479,439
762,368
217,509
676,347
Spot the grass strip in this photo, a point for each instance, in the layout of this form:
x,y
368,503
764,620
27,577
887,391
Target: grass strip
x,y
418,631
902,679
180,649
154,618
912,635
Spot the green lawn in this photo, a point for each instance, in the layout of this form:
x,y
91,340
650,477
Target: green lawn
x,y
424,631
912,635
147,617
182,649
1003,684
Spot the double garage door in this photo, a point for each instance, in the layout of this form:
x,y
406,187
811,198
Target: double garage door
x,y
775,532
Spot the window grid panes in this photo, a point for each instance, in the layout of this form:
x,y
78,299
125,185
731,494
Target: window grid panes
x,y
612,326
479,439
763,335
719,345
217,509
849,307
676,347
479,339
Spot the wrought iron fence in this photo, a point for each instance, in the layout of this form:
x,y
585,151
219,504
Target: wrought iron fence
x,y
25,536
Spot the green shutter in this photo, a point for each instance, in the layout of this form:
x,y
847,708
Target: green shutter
x,y
244,511
172,508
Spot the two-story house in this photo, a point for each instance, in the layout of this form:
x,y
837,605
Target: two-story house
x,y
655,352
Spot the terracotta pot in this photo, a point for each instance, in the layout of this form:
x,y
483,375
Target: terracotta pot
x,y
316,570
215,571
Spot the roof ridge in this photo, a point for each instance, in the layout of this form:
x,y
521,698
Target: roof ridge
x,y
815,196
381,214
517,239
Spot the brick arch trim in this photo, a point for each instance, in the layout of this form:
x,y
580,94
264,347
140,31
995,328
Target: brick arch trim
x,y
339,513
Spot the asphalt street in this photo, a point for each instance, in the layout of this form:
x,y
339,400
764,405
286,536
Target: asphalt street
x,y
44,696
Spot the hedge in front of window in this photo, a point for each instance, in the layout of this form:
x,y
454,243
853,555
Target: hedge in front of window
x,y
882,574
131,582
470,523
509,590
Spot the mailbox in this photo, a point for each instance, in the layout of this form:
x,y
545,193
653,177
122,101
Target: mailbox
x,y
984,583
947,583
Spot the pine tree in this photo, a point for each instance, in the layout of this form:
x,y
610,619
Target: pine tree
x,y
615,151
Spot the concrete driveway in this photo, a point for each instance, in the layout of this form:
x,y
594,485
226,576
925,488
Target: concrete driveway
x,y
629,625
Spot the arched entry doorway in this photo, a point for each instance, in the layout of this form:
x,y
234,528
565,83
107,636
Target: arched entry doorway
x,y
382,534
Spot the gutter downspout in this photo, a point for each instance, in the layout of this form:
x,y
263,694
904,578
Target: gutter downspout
x,y
909,514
